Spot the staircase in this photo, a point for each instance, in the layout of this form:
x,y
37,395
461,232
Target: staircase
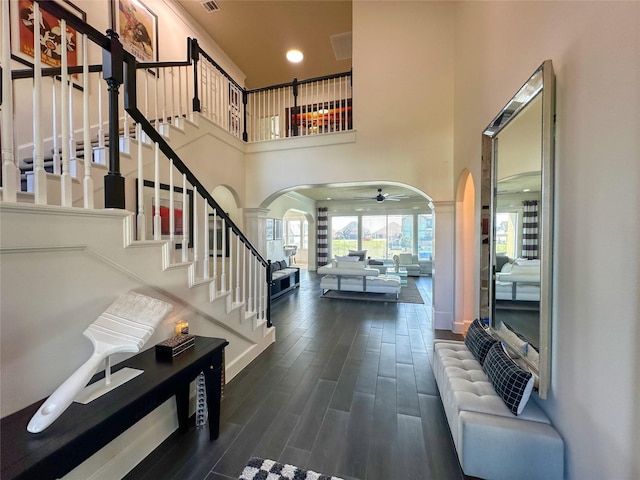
x,y
63,255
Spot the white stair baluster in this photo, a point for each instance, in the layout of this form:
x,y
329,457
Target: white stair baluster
x,y
196,240
173,97
54,127
99,155
179,119
185,220
237,268
86,127
205,225
215,249
157,221
10,172
172,211
155,99
250,284
230,286
223,272
164,95
142,228
244,275
39,175
65,104
72,135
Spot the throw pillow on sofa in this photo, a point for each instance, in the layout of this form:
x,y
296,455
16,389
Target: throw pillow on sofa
x,y
478,341
361,254
511,383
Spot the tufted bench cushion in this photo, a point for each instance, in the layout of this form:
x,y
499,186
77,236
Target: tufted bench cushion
x,y
491,442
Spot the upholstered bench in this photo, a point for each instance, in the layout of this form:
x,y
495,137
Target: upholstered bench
x,y
491,441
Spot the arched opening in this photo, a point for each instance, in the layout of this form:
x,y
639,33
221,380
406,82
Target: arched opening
x,y
465,258
228,201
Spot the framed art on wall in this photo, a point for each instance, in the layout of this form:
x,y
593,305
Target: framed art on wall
x,y
182,207
137,27
51,36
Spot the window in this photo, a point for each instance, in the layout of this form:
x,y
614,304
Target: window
x,y
507,233
374,236
384,236
425,236
344,234
399,234
297,233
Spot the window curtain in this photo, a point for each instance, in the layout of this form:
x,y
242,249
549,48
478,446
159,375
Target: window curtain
x,y
530,230
322,237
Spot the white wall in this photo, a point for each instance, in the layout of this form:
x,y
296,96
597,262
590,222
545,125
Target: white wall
x,y
594,47
402,104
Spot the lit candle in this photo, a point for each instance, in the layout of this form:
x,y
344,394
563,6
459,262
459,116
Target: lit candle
x,y
181,327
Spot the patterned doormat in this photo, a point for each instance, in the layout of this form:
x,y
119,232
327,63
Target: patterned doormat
x,y
261,469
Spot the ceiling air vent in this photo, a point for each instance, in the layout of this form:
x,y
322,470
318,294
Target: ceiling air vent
x,y
210,6
342,45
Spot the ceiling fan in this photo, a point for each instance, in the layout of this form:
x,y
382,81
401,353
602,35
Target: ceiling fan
x,y
381,197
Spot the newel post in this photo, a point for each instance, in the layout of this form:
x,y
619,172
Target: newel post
x,y
269,282
295,107
195,56
112,69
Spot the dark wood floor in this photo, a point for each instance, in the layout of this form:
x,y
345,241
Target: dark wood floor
x,y
347,390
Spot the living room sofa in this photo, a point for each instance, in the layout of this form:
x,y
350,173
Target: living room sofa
x,y
518,280
353,275
493,442
415,266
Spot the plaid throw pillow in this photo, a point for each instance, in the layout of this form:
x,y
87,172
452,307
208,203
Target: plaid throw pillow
x,y
478,341
512,384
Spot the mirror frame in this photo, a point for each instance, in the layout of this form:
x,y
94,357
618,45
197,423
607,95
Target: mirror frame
x,y
518,102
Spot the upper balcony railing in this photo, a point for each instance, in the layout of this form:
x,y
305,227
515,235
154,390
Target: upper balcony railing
x,y
298,108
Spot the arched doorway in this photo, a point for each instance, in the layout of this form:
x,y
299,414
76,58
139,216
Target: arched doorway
x,y
465,258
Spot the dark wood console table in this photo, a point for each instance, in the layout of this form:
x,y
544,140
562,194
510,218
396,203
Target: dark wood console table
x,y
82,430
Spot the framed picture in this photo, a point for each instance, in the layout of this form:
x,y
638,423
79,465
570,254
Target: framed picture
x,y
137,27
277,229
50,43
218,236
269,229
180,206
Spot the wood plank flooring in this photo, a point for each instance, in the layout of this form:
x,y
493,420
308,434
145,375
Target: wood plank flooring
x,y
347,390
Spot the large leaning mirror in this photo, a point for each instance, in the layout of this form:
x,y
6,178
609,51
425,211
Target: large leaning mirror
x,y
517,199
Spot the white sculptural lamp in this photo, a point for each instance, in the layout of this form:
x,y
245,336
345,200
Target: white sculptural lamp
x,y
123,328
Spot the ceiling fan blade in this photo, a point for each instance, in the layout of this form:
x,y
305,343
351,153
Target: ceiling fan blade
x,y
391,199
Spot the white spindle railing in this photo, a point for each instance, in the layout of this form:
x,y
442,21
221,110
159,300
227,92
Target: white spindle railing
x,y
165,98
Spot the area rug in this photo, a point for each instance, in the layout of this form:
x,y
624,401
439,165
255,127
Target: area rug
x,y
261,469
409,293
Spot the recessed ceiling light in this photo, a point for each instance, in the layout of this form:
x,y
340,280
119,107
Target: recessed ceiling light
x,y
294,56
328,198
526,190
